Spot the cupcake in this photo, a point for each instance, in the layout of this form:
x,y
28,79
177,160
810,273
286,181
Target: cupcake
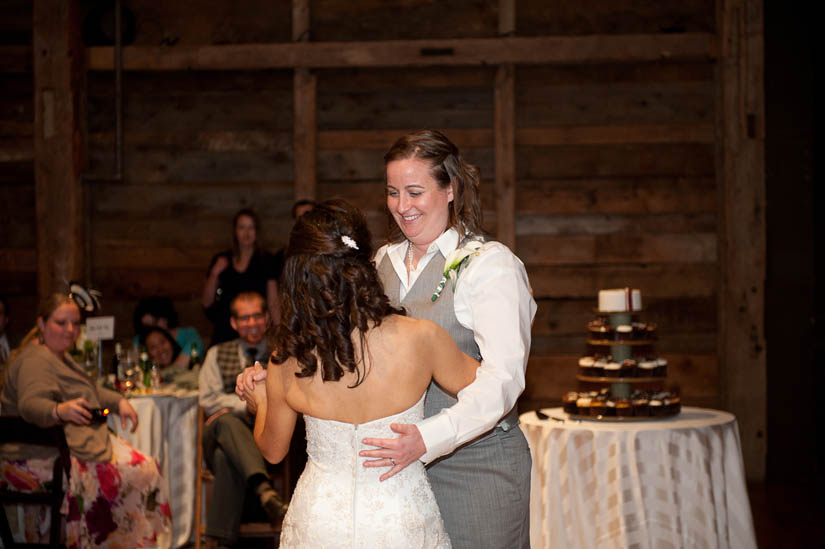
x,y
627,368
624,332
586,365
644,330
657,405
610,408
600,329
583,405
612,369
597,406
673,404
647,368
568,402
598,367
641,405
624,408
661,367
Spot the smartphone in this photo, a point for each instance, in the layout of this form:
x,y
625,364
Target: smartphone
x,y
99,415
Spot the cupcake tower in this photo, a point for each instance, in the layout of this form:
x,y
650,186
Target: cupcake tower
x,y
621,356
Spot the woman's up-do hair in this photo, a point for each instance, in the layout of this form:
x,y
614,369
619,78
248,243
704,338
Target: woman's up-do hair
x,y
328,288
447,168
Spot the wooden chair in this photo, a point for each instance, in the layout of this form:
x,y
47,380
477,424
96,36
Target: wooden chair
x,y
203,481
15,429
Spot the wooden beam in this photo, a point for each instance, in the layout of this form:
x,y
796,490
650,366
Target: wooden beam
x,y
58,120
304,99
504,127
742,226
15,59
505,138
601,48
16,149
465,138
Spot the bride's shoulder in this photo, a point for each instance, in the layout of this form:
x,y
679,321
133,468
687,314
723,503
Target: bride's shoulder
x,y
409,329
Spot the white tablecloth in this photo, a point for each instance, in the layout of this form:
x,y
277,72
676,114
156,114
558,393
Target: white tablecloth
x,y
167,429
667,483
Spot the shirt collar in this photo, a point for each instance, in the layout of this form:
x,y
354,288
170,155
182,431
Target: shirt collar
x,y
446,243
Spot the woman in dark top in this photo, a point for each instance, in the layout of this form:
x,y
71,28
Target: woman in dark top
x,y
246,267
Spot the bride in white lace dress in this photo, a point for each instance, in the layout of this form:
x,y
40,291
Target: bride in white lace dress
x,y
353,365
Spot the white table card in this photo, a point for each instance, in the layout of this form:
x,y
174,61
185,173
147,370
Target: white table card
x,y
100,328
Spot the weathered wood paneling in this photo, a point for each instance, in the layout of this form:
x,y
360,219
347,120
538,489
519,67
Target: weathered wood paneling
x,y
596,16
614,133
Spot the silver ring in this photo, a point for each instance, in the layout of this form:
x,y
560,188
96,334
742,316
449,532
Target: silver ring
x,y
392,460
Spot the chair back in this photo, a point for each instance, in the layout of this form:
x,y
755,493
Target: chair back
x,y
15,429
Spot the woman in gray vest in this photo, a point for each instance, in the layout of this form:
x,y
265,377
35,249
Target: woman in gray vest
x,y
438,266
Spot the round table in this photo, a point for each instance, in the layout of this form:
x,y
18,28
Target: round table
x,y
167,427
670,482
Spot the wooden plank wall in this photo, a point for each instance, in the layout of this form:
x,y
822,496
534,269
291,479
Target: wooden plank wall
x,y
614,162
18,226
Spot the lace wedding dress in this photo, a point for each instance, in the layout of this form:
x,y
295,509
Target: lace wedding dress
x,y
340,503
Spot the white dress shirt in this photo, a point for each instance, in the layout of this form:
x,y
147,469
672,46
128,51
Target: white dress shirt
x,y
493,299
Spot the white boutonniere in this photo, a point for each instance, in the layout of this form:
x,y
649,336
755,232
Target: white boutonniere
x,y
456,260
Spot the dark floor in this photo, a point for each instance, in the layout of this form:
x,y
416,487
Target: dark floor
x,y
785,516
788,515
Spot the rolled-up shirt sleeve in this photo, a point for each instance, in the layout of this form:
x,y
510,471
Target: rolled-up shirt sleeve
x,y
493,299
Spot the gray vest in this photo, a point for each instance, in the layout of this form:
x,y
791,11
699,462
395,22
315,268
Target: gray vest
x,y
418,303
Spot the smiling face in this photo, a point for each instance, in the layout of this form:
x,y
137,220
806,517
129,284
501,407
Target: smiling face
x,y
420,207
159,348
249,319
61,328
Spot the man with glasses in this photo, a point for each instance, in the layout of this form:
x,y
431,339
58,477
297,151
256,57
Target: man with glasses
x,y
228,445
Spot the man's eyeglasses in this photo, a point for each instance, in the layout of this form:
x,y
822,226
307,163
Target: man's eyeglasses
x,y
250,318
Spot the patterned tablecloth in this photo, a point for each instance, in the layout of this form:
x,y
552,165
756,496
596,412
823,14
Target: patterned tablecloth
x,y
667,483
167,429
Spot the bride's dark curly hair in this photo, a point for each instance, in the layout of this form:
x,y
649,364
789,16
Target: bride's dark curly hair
x,y
329,287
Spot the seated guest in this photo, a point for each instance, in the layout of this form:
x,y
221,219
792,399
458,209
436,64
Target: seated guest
x,y
116,496
163,350
159,311
228,445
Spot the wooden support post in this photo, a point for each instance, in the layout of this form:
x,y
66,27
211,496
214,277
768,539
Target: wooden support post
x,y
58,121
505,136
305,130
742,227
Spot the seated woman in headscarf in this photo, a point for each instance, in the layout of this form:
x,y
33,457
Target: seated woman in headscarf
x,y
115,496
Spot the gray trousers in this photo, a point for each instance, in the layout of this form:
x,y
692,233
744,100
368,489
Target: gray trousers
x,y
483,491
230,451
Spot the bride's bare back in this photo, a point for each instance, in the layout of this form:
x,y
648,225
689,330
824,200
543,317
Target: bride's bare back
x,y
402,356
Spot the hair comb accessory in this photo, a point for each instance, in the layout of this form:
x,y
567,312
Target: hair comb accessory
x,y
349,242
86,299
